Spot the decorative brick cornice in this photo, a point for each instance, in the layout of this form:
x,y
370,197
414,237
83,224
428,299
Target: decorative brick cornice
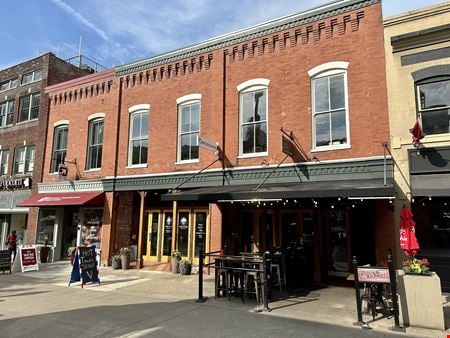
x,y
270,28
81,93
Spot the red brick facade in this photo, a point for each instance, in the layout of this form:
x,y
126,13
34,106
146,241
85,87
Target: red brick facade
x,y
283,57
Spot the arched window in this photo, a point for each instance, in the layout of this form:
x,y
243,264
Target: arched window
x,y
253,117
95,144
59,146
188,127
138,139
330,105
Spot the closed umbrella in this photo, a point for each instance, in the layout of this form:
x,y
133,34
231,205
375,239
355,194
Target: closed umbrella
x,y
408,240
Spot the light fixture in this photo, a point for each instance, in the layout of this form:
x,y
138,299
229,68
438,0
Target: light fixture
x,y
362,198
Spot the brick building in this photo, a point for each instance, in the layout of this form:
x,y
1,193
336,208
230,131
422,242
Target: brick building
x,y
272,137
23,128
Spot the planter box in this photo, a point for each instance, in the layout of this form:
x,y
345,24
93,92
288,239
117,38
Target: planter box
x,y
421,300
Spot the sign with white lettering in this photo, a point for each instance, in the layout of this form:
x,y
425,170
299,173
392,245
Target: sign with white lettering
x,y
207,144
373,275
15,183
28,259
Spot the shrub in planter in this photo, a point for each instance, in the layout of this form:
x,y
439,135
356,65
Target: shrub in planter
x,y
116,262
185,267
176,257
125,254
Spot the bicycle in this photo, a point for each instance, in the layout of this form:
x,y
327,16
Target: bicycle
x,y
377,299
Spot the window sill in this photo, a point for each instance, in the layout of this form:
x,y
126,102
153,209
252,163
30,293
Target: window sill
x,y
92,170
262,154
187,162
331,148
136,166
25,122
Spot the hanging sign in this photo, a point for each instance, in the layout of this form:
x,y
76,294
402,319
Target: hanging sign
x,y
28,259
207,144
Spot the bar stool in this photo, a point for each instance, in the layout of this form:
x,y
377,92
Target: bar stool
x,y
276,267
252,284
223,282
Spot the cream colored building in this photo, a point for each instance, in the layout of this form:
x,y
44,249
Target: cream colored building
x,y
417,46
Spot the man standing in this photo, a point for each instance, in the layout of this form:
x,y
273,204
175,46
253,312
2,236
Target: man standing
x,y
12,244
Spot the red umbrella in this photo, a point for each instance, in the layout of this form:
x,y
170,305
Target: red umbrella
x,y
408,240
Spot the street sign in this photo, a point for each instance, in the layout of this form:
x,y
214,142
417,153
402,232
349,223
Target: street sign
x,y
207,144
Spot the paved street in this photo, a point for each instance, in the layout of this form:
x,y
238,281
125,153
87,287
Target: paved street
x,y
142,303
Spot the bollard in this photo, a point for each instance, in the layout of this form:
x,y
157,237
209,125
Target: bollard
x,y
393,278
200,275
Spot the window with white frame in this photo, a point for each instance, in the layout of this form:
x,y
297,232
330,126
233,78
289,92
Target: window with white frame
x,y
24,160
59,147
9,84
329,105
95,144
253,116
4,157
33,76
29,107
138,142
433,96
188,127
6,113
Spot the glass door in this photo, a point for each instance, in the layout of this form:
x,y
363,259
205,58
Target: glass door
x,y
183,233
338,262
159,236
200,233
152,237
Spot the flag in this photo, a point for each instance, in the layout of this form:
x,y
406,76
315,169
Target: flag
x,y
417,134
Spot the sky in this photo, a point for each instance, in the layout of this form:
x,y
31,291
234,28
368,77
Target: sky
x,y
117,32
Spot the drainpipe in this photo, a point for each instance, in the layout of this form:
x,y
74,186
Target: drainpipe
x,y
224,99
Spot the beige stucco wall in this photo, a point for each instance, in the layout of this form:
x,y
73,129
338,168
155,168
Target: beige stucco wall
x,y
401,96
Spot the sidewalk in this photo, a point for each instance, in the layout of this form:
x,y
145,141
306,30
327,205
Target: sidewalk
x,y
328,305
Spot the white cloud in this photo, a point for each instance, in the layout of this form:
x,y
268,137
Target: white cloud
x,y
85,21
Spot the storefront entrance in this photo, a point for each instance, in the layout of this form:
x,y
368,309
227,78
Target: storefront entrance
x,y
191,227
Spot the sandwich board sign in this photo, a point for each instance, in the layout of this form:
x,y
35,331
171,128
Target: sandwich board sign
x,y
85,266
5,261
28,258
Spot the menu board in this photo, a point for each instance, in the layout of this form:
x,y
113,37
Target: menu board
x,y
28,259
88,264
5,261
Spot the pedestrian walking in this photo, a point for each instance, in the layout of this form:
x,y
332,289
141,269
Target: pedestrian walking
x,y
12,244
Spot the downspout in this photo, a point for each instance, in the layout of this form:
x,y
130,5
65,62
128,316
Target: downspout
x,y
224,100
112,240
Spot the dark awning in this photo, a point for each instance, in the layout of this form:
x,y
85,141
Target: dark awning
x,y
351,188
430,185
92,198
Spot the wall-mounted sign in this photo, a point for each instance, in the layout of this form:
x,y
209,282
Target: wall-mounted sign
x,y
15,183
63,170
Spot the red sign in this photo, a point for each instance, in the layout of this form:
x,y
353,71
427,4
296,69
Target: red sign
x,y
28,257
373,275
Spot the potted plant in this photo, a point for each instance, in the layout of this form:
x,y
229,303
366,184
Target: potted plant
x,y
416,266
176,257
43,252
125,254
185,266
116,262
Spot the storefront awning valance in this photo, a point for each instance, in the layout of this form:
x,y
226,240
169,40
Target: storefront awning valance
x,y
351,188
91,198
431,185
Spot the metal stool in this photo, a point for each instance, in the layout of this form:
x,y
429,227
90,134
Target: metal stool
x,y
223,280
277,268
252,278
